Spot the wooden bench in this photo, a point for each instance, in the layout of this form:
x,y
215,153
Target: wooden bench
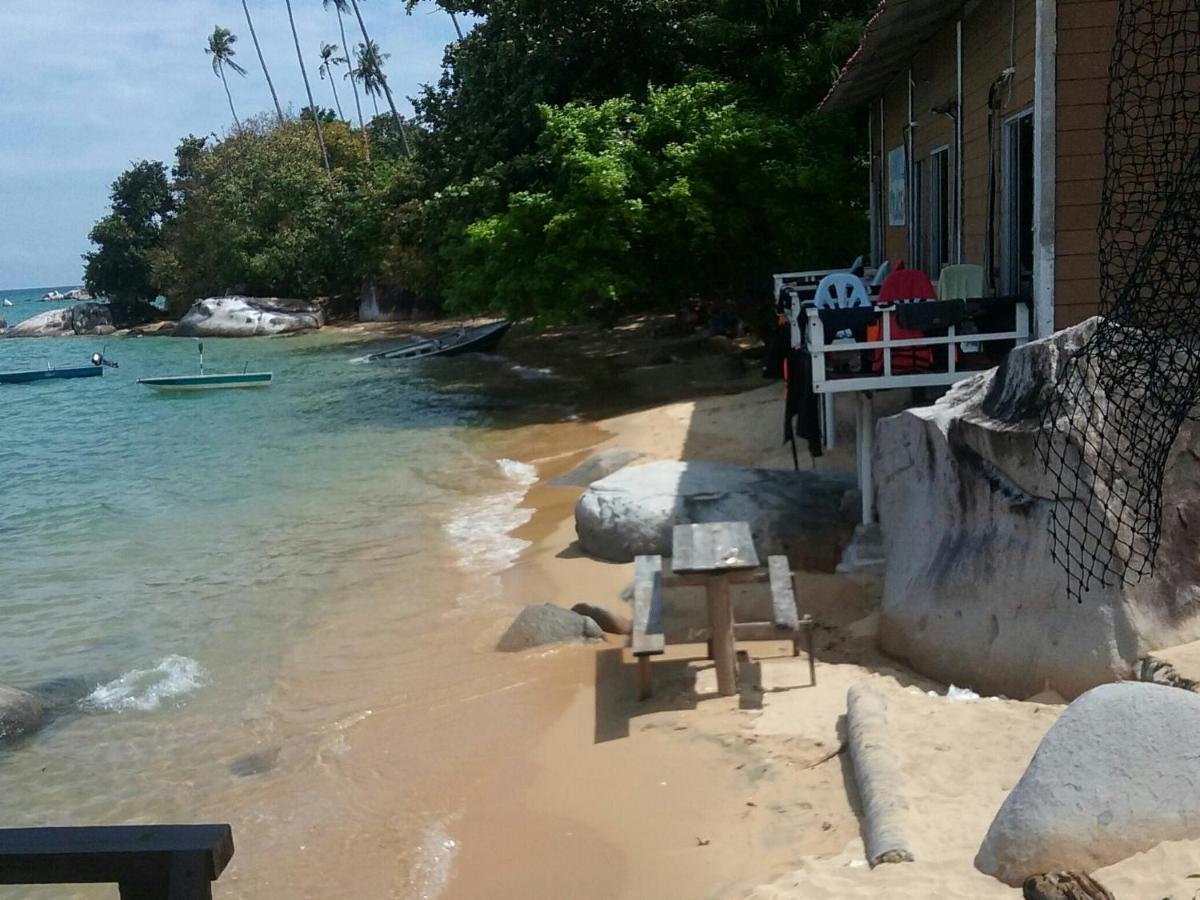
x,y
649,638
147,862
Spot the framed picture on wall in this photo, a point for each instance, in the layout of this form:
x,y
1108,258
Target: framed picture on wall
x,y
897,178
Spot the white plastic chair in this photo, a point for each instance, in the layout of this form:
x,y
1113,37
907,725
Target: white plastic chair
x,y
841,290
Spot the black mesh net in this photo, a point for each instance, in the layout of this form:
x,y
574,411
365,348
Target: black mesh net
x,y
1122,398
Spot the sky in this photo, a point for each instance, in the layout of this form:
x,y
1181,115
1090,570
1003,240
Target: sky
x,y
89,86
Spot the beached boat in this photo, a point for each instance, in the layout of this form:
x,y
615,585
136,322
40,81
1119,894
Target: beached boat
x,y
95,370
480,339
203,382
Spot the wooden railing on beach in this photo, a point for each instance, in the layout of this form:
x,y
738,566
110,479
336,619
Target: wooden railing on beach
x,y
147,862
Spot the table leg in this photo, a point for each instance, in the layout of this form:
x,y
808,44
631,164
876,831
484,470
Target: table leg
x,y
720,618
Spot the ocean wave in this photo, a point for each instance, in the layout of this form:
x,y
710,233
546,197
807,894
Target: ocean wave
x,y
431,873
520,472
480,530
146,689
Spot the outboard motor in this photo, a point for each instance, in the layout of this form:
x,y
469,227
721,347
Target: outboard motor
x,y
99,360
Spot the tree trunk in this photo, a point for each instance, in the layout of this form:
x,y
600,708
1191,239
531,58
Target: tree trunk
x,y
236,123
336,101
262,62
308,88
382,77
362,126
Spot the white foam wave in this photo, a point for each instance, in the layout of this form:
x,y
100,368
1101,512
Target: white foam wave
x,y
481,528
146,689
431,873
520,472
535,374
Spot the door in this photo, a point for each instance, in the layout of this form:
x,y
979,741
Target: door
x,y
1016,199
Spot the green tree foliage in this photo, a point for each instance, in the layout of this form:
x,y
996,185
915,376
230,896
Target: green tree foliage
x,y
259,214
690,193
122,267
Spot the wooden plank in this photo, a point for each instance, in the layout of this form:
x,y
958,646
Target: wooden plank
x,y
647,638
713,547
783,596
724,652
122,854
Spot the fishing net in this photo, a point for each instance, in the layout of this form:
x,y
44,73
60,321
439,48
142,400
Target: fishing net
x,y
1122,398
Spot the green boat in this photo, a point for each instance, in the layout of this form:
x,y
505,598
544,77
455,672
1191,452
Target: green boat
x,y
203,382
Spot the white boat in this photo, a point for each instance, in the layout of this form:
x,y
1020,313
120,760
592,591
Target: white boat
x,y
6,302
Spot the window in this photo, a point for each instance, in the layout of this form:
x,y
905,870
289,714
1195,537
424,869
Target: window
x,y
1016,206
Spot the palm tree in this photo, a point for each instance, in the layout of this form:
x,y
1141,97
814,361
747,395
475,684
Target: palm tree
x,y
220,48
262,62
329,59
378,72
341,6
368,71
308,88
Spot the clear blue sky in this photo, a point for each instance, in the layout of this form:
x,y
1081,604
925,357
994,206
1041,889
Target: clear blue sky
x,y
88,86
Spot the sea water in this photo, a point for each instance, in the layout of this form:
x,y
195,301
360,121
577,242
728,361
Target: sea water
x,y
190,563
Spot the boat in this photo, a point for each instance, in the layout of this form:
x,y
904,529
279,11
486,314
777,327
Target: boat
x,y
205,382
95,370
480,339
6,302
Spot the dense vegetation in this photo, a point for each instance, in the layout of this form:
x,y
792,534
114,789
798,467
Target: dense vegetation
x,y
575,158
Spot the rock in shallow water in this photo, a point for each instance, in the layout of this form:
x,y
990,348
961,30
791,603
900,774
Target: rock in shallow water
x,y
20,713
83,318
547,624
1115,775
972,594
633,511
248,317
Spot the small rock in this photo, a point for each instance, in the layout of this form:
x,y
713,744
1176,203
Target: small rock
x,y
1064,886
255,763
608,621
547,624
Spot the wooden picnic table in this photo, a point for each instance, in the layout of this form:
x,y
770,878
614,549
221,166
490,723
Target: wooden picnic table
x,y
722,552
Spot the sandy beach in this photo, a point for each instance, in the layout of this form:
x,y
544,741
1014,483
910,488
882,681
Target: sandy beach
x,y
691,794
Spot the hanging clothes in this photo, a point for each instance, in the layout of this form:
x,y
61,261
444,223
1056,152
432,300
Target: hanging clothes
x,y
802,408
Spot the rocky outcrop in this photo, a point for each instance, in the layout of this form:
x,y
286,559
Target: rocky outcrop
x,y
84,318
599,466
21,713
536,626
1114,776
248,317
972,595
633,511
1064,886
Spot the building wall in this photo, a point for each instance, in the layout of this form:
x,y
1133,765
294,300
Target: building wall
x,y
988,49
1086,31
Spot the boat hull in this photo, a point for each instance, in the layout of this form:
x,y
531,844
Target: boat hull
x,y
208,382
50,374
481,339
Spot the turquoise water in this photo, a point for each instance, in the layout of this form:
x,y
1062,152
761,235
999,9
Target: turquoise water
x,y
176,550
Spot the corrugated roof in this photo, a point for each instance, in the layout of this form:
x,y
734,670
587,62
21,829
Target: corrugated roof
x,y
893,35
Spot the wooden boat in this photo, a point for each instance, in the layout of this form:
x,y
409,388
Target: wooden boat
x,y
95,370
480,339
203,382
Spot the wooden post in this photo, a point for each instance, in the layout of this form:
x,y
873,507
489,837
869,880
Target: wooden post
x,y
645,678
720,617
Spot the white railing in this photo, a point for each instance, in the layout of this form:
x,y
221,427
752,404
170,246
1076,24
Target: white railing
x,y
826,382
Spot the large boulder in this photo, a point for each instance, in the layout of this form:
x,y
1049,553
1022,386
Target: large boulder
x,y
634,510
536,626
1115,775
248,317
20,713
971,593
84,318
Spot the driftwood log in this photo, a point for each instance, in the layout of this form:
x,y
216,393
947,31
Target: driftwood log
x,y
877,773
1063,886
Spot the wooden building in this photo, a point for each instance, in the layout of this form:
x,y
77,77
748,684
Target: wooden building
x,y
987,141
